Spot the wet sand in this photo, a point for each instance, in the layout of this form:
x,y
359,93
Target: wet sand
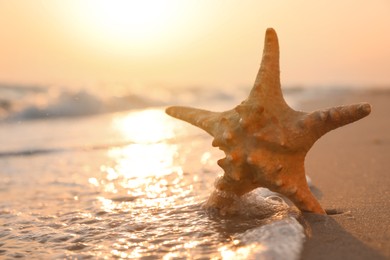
x,y
350,166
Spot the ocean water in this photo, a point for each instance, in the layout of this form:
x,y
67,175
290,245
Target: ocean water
x,y
84,177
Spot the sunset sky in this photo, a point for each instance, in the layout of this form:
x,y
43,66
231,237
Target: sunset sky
x,y
199,43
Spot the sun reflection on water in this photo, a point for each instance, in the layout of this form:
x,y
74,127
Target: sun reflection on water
x,y
142,160
145,173
146,126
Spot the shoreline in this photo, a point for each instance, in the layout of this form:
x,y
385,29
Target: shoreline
x,y
349,167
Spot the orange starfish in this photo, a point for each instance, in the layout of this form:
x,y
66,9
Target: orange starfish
x,y
265,141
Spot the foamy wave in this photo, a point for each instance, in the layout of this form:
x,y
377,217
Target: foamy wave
x,y
282,239
23,103
31,102
280,236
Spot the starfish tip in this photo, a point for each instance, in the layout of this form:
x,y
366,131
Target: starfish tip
x,y
270,35
365,108
174,111
169,110
270,31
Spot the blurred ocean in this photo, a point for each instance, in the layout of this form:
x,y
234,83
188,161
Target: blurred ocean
x,y
90,176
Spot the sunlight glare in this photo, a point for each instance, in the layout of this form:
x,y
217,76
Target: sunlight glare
x,y
147,126
119,19
120,26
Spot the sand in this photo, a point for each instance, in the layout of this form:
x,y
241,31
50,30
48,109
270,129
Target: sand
x,y
350,167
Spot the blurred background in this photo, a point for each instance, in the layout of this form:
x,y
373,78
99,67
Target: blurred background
x,y
138,44
53,52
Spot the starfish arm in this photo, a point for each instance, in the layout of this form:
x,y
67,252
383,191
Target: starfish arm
x,y
204,119
267,84
322,121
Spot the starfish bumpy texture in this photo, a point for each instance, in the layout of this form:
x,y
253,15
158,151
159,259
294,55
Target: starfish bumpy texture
x,y
265,141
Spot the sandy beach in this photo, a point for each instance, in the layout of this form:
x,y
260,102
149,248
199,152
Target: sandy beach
x,y
350,168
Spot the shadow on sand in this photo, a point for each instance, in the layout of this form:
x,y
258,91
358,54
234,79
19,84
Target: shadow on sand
x,y
329,240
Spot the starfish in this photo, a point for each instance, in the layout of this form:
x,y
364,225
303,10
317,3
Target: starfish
x,y
265,141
